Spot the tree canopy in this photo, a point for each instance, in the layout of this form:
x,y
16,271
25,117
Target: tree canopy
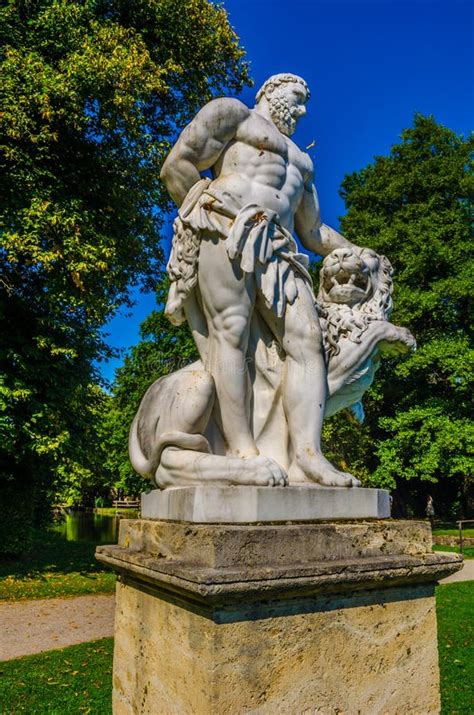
x,y
92,95
415,206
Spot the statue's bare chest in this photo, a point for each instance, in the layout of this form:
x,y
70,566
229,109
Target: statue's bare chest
x,y
262,135
260,151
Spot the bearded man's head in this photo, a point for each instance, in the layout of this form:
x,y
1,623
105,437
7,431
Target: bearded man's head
x,y
286,95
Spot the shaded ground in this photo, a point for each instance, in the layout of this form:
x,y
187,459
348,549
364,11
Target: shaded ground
x,y
36,626
54,567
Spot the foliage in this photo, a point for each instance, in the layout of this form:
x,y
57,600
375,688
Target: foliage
x,y
54,567
80,477
92,95
16,527
414,206
345,443
163,349
454,607
77,679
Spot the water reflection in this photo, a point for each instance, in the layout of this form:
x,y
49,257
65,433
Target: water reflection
x,y
89,526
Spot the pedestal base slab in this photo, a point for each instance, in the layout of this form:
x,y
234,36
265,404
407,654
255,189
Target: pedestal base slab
x,y
247,505
366,654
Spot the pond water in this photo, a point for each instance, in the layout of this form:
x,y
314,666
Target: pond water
x,y
89,526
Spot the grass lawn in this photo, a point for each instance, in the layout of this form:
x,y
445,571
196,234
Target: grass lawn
x,y
61,682
55,567
468,533
78,679
455,608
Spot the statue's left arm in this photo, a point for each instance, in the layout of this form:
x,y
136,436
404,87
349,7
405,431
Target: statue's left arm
x,y
314,235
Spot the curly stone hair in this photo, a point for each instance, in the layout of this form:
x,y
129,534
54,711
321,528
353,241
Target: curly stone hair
x,y
278,79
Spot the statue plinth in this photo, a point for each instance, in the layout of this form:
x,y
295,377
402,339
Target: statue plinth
x,y
314,617
242,505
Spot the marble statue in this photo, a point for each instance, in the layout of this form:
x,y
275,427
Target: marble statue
x,y
274,359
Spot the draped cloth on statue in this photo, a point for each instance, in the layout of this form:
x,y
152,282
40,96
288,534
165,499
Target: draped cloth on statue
x,y
253,236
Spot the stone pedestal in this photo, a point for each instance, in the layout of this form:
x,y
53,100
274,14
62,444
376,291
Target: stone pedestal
x,y
315,618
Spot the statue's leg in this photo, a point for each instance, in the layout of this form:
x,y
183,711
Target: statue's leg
x,y
184,410
228,298
304,388
197,324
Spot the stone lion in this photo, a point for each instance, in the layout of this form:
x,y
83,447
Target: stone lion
x,y
175,437
355,301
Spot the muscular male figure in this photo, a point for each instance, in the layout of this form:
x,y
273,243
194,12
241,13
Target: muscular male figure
x,y
261,192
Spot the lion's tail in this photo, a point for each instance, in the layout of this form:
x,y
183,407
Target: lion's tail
x,y
147,466
141,464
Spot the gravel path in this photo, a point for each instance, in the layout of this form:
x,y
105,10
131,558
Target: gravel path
x,y
465,574
29,627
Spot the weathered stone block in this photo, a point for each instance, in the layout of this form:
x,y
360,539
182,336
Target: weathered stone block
x,y
313,618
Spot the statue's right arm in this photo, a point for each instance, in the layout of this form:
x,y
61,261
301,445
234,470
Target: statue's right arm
x,y
200,145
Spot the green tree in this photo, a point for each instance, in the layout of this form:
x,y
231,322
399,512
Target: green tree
x,y
92,95
81,475
415,206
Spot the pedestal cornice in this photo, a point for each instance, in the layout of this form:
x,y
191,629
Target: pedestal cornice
x,y
217,563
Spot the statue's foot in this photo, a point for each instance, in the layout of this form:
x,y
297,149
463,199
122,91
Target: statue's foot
x,y
297,477
313,467
257,471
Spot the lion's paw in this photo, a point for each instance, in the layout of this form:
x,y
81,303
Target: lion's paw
x,y
262,472
398,341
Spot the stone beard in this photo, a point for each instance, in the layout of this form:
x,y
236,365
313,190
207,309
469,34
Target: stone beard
x,y
281,112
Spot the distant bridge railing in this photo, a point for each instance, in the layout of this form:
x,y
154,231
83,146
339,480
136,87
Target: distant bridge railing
x,y
122,504
460,527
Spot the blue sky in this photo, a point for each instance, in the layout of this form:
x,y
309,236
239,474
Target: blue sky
x,y
370,65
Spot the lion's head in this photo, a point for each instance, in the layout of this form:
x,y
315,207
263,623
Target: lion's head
x,y
355,287
344,278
